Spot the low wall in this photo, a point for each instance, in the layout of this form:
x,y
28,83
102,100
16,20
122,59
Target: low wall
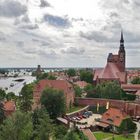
x,y
133,109
72,114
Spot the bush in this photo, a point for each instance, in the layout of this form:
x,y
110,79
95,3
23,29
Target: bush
x,y
127,125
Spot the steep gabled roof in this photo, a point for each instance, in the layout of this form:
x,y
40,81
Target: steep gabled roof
x,y
114,116
110,71
57,84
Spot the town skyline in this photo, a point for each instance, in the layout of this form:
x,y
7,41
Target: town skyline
x,y
62,34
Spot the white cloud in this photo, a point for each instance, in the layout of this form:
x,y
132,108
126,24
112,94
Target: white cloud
x,y
67,32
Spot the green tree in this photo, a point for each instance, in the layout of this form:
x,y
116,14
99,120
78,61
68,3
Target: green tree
x,y
17,127
75,134
54,101
2,115
127,125
2,94
42,124
109,90
10,96
86,76
60,131
136,80
26,96
78,91
90,90
71,72
42,76
71,136
51,77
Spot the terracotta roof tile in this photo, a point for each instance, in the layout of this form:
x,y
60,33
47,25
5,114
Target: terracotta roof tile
x,y
57,84
113,116
81,84
9,106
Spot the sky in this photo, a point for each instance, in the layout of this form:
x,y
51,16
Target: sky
x,y
67,33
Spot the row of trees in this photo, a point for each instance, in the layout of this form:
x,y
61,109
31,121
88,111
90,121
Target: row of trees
x,y
107,90
44,75
111,90
136,80
84,75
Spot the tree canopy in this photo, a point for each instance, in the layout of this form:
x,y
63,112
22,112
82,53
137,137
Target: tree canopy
x,y
108,90
54,101
127,125
2,94
26,96
17,127
42,125
78,91
71,72
2,115
86,76
136,80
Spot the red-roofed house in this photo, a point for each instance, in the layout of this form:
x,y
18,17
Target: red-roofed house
x,y
112,119
114,69
81,84
132,89
57,84
9,107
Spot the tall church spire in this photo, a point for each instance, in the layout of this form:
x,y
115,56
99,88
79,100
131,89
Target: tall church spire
x,y
121,40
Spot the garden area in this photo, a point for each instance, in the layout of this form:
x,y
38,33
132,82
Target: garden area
x,y
109,136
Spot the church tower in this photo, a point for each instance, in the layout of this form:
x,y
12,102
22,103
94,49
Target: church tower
x,y
121,54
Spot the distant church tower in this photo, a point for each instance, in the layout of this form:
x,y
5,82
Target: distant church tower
x,y
121,54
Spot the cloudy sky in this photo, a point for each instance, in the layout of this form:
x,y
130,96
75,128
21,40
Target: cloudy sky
x,y
67,33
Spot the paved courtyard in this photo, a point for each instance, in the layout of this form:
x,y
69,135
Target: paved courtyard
x,y
90,121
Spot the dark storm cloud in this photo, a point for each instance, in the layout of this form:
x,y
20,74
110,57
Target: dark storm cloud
x,y
12,8
57,21
44,3
73,50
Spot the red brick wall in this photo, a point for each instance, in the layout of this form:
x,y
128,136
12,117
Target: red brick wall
x,y
132,109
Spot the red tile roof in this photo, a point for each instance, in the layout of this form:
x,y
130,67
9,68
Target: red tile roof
x,y
113,116
81,84
57,84
110,71
131,86
9,106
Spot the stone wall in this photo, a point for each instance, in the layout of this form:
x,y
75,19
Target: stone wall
x,y
133,109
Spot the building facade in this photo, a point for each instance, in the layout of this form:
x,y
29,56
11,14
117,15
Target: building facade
x,y
115,67
63,85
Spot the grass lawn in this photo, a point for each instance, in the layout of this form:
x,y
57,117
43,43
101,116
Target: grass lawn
x,y
74,108
102,135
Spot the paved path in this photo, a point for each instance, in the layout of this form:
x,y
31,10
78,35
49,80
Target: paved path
x,y
137,132
89,134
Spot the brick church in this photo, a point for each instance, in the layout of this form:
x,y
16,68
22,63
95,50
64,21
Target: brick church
x,y
115,67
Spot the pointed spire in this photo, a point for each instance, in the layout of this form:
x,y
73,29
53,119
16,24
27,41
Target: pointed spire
x,y
122,40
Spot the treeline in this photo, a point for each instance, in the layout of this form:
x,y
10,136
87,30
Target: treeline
x,y
107,90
